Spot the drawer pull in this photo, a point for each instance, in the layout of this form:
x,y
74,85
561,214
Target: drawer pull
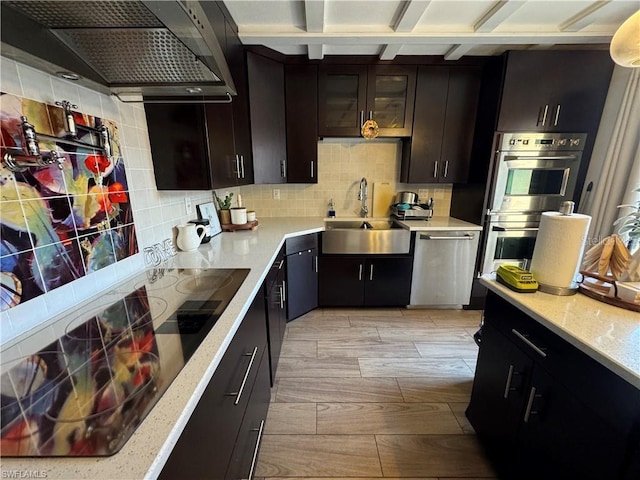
x,y
281,297
284,292
466,236
238,394
534,347
254,459
507,387
360,272
529,411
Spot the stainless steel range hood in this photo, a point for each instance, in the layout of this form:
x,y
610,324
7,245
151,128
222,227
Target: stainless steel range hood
x,y
153,48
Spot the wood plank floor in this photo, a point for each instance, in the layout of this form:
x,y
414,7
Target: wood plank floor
x,y
373,393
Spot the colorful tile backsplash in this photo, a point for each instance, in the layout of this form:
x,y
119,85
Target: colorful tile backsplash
x,y
60,224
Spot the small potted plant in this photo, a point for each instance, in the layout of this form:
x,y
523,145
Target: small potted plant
x,y
224,207
629,227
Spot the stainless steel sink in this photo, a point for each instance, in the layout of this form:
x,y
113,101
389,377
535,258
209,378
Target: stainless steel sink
x,y
363,224
364,236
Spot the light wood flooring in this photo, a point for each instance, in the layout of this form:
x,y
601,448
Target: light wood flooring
x,y
370,393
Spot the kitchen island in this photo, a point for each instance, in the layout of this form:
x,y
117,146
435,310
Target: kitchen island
x,y
608,334
556,391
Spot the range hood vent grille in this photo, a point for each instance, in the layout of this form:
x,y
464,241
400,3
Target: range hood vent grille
x,y
95,14
154,48
149,55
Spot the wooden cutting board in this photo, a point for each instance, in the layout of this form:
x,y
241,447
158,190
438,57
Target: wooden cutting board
x,y
383,196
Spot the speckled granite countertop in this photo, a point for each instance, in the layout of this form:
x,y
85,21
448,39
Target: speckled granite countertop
x,y
608,334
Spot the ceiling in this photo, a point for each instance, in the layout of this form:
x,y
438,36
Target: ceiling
x,y
452,28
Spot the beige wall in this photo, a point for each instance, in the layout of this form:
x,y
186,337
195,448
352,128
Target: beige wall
x,y
341,165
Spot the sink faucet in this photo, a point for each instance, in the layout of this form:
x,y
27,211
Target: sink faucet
x,y
362,196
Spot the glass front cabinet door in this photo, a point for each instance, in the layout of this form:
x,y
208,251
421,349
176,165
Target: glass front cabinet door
x,y
352,94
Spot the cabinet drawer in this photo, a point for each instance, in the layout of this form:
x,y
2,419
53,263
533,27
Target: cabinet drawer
x,y
613,398
302,243
276,267
220,410
245,452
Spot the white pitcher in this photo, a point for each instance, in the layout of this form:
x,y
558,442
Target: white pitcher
x,y
189,236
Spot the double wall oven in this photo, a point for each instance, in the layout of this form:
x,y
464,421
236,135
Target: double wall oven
x,y
531,173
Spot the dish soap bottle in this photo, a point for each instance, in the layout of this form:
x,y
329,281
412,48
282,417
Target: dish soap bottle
x,y
331,212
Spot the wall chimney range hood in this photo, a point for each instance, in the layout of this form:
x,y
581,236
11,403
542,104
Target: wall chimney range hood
x,y
150,48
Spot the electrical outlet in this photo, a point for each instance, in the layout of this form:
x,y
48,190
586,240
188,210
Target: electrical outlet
x,y
276,194
188,206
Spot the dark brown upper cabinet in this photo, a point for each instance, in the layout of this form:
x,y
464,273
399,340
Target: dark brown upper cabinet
x,y
351,94
439,150
301,107
554,91
267,114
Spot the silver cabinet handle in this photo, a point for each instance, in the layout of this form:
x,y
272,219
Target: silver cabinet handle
x,y
466,236
361,118
528,412
284,291
254,459
534,347
360,272
238,166
242,164
544,116
281,297
506,229
435,169
280,264
316,264
283,168
509,158
446,168
557,116
311,168
238,394
507,387
370,115
371,272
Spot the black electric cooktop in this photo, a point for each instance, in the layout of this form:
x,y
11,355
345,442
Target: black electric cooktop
x,y
83,391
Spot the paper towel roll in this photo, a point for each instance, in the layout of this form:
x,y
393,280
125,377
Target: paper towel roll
x,y
559,246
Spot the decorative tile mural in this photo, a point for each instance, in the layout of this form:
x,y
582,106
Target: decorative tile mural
x,y
58,224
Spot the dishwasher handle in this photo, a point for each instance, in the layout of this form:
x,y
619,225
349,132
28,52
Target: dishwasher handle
x,y
466,236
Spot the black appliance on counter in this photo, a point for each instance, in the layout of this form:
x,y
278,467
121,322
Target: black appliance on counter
x,y
84,391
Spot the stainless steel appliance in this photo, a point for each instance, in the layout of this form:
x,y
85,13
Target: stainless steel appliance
x,y
443,266
530,173
156,48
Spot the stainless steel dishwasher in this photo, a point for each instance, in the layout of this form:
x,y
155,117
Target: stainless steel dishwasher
x,y
443,266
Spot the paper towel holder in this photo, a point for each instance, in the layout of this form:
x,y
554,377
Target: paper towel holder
x,y
566,209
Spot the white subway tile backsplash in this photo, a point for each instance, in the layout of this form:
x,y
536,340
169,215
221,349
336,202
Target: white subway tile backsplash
x,y
65,90
9,79
35,84
90,102
59,299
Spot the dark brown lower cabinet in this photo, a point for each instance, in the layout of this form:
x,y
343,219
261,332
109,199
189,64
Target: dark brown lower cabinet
x,y
302,275
215,442
274,288
544,409
352,281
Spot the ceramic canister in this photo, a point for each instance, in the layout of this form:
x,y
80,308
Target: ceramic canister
x,y
238,216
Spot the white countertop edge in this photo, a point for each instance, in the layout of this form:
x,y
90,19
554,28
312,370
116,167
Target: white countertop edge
x,y
181,422
596,354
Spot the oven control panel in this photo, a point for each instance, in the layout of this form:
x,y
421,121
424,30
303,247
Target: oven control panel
x,y
540,141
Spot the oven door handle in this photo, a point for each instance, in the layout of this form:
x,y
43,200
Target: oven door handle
x,y
524,229
509,158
